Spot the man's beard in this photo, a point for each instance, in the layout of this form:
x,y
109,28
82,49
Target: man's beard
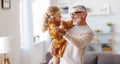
x,y
77,21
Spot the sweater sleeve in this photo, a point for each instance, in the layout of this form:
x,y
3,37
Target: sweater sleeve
x,y
81,42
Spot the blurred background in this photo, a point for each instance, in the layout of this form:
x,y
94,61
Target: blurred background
x,y
22,19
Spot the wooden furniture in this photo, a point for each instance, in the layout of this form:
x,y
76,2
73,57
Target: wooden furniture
x,y
102,43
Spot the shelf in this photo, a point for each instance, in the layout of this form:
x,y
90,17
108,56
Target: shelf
x,y
100,39
105,33
99,13
104,43
110,52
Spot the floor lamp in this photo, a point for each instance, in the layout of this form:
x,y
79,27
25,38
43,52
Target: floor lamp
x,y
4,49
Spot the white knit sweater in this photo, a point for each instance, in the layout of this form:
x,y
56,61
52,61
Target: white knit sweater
x,y
78,38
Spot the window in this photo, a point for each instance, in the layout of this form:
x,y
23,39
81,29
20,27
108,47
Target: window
x,y
31,20
38,9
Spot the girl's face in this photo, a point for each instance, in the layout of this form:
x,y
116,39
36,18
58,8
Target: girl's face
x,y
57,16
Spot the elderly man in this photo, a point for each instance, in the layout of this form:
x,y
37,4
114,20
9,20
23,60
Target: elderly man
x,y
77,37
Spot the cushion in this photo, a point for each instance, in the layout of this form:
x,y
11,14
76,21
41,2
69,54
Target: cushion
x,y
90,59
105,58
48,57
116,59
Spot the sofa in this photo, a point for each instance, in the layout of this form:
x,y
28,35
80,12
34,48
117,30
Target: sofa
x,y
95,58
102,58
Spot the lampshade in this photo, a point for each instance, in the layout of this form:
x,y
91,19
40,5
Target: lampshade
x,y
4,45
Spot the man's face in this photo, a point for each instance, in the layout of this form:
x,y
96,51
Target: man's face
x,y
76,14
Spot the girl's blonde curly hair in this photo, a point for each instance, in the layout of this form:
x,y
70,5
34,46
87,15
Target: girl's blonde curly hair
x,y
49,16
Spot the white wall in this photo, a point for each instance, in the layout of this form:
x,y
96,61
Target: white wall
x,y
9,26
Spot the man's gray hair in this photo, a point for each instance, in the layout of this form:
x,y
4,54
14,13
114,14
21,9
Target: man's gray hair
x,y
81,7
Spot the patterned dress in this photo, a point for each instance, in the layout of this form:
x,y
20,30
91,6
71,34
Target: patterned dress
x,y
58,42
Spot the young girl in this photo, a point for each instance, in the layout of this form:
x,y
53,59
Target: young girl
x,y
52,23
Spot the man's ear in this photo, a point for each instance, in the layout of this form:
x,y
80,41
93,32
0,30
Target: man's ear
x,y
84,14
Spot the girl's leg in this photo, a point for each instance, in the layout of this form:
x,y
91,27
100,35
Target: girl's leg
x,y
56,60
51,61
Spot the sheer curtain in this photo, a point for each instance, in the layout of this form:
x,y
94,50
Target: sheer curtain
x,y
38,9
31,12
26,31
42,40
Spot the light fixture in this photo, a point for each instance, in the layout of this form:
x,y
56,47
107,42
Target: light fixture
x,y
4,49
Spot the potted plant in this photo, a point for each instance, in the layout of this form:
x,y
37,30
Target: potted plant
x,y
110,25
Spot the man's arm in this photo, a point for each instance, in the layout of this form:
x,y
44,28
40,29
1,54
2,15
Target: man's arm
x,y
81,42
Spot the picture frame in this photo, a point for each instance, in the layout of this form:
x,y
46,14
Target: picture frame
x,y
6,4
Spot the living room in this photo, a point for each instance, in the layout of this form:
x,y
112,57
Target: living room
x,y
17,21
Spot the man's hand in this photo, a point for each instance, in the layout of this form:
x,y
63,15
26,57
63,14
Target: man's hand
x,y
59,30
